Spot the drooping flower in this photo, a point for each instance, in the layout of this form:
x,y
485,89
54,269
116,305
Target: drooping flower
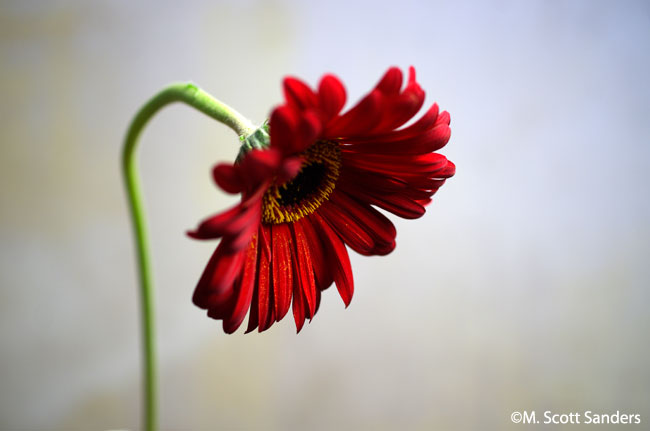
x,y
312,192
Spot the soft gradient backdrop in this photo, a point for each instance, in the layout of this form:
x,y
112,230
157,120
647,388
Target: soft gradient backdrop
x,y
524,287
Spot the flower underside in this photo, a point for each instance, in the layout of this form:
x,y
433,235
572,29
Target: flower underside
x,y
312,186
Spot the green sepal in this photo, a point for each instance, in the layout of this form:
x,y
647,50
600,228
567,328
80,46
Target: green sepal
x,y
258,140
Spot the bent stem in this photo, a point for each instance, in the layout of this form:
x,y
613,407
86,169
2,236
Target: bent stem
x,y
193,96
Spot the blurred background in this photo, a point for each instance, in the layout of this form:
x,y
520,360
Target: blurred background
x,y
524,287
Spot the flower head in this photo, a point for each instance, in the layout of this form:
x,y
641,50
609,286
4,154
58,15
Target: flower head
x,y
313,191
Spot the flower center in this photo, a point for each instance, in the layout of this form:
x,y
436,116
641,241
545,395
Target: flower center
x,y
308,190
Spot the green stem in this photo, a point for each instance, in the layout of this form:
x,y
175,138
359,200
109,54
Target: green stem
x,y
199,99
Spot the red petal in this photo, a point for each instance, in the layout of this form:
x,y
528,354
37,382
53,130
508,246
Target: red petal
x,y
318,298
244,289
282,269
259,166
253,319
214,227
358,120
298,94
398,193
218,277
396,203
304,267
422,125
283,125
382,163
227,177
265,294
332,95
378,182
253,316
265,241
391,83
448,171
202,290
401,107
338,259
417,194
399,110
380,228
223,310
225,273
237,223
425,142
426,183
355,236
289,169
411,75
321,270
426,122
309,128
443,118
298,305
241,238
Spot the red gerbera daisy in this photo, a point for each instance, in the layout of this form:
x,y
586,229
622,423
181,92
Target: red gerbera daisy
x,y
311,192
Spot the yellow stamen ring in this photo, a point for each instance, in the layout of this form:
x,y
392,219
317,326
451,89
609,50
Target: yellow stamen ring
x,y
306,191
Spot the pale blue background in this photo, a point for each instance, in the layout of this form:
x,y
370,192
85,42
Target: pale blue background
x,y
524,287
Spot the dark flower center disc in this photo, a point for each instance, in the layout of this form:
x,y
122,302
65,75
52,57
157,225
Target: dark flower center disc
x,y
307,190
303,185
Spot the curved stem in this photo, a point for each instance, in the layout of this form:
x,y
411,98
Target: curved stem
x,y
196,98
